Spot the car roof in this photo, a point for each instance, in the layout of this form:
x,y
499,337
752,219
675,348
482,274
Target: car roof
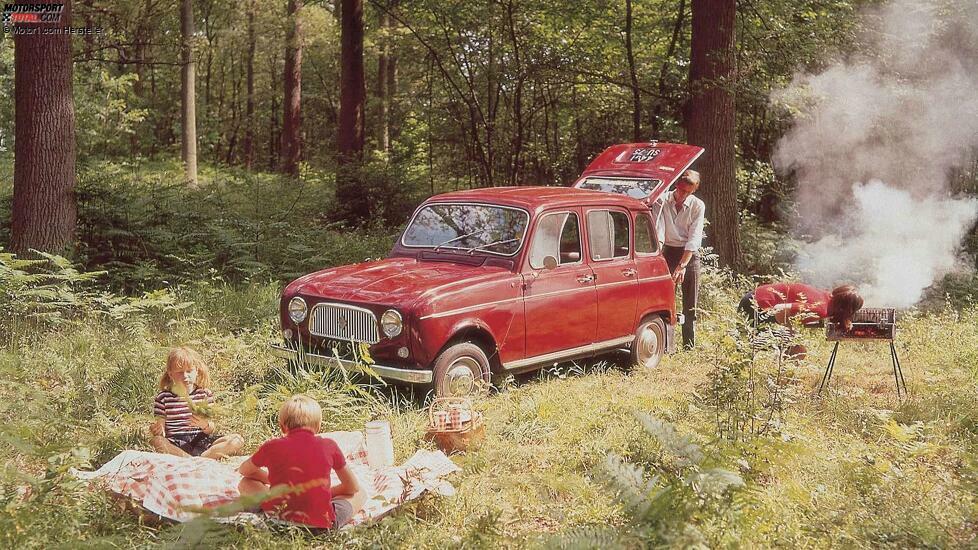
x,y
538,198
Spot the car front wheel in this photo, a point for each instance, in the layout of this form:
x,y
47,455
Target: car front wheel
x,y
649,343
461,370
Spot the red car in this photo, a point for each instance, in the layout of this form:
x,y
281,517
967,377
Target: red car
x,y
492,281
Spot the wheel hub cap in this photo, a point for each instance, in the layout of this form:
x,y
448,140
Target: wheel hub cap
x,y
648,346
460,378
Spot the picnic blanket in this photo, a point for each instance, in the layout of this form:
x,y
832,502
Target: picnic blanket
x,y
174,487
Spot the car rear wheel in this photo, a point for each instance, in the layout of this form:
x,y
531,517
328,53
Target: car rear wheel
x,y
649,343
461,370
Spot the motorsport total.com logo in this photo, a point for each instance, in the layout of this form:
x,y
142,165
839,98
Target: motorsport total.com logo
x,y
32,13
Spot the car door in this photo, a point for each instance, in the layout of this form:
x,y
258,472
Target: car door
x,y
560,304
610,255
656,291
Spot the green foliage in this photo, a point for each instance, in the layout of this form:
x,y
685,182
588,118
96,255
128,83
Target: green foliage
x,y
767,250
106,116
147,232
46,508
684,492
50,290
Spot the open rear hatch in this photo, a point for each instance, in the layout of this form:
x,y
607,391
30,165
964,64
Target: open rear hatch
x,y
640,170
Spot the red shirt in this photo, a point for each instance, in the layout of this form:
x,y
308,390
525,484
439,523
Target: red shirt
x,y
301,458
803,298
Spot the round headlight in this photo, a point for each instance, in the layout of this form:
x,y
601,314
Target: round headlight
x,y
297,309
391,322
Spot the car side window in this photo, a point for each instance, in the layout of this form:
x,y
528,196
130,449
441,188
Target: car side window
x,y
645,236
608,234
556,235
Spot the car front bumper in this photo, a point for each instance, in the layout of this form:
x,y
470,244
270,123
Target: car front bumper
x,y
387,373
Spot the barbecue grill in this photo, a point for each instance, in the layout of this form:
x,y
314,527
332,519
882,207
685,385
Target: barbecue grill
x,y
867,324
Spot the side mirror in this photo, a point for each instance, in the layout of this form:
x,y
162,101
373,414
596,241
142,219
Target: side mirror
x,y
549,262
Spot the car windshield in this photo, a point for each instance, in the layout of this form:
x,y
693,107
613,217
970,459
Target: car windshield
x,y
634,188
468,227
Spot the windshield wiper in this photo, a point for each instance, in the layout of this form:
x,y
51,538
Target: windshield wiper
x,y
467,235
487,245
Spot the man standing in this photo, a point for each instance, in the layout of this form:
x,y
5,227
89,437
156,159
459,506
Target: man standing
x,y
679,220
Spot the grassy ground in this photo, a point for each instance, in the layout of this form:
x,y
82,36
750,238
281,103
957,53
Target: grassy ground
x,y
856,468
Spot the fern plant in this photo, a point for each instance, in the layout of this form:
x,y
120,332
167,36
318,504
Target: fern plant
x,y
51,291
682,490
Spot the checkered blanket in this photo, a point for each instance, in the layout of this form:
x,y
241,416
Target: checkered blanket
x,y
174,487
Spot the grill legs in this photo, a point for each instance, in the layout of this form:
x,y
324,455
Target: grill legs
x,y
901,382
828,369
897,370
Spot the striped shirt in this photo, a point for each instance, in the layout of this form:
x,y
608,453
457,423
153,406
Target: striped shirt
x,y
176,410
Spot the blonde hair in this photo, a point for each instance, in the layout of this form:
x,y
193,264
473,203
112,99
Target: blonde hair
x,y
300,411
184,356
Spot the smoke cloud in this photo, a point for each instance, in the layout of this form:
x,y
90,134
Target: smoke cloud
x,y
872,148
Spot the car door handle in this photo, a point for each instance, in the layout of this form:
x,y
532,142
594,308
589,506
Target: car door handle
x,y
629,272
585,279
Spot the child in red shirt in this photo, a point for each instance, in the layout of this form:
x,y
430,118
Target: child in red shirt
x,y
303,461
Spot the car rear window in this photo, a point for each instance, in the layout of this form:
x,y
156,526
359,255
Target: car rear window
x,y
635,188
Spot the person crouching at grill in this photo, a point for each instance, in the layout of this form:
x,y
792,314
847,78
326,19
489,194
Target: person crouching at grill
x,y
784,302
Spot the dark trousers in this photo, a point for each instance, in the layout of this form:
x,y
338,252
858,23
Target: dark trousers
x,y
690,288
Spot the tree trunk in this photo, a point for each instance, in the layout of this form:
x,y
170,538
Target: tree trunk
x,y
249,138
670,52
516,166
44,212
188,116
350,136
292,118
633,76
710,119
383,87
142,37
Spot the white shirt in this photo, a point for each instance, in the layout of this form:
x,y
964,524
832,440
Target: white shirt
x,y
679,226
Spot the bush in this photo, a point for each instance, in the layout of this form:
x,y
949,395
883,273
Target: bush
x,y
149,232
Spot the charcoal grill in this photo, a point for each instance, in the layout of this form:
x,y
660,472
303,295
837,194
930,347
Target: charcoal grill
x,y
867,324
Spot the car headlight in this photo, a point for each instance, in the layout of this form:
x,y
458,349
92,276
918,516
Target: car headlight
x,y
391,322
297,310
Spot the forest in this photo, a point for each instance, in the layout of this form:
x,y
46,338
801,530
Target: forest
x,y
168,167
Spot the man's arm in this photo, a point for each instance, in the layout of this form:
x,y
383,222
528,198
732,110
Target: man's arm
x,y
680,272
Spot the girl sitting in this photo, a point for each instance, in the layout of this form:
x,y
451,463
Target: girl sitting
x,y
179,430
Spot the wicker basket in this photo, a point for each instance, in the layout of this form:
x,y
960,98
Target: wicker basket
x,y
469,432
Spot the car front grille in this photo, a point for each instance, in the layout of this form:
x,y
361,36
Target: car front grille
x,y
344,322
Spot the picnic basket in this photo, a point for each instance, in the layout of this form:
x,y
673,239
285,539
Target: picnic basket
x,y
465,432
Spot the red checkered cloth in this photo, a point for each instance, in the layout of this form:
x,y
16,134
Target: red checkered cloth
x,y
175,487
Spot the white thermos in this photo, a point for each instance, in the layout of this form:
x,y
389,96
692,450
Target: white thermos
x,y
380,445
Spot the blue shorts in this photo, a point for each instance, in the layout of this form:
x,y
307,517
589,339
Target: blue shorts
x,y
194,444
342,514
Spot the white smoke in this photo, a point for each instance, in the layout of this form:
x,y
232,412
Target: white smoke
x,y
901,247
899,116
